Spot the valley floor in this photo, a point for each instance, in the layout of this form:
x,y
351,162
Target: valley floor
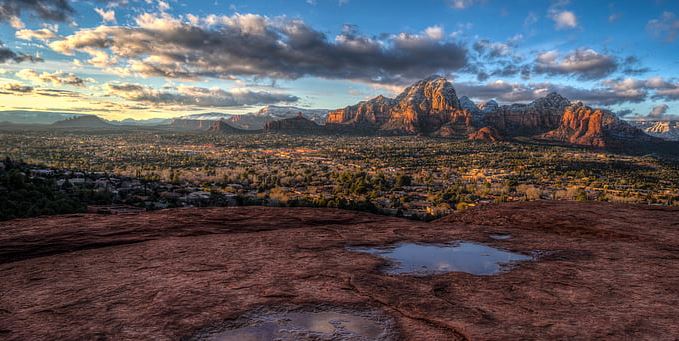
x,y
602,271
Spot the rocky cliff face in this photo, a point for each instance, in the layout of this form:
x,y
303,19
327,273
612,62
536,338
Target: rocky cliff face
x,y
583,125
431,107
540,116
666,130
468,104
423,107
372,113
488,107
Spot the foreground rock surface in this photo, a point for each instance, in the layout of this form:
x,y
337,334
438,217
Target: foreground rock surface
x,y
604,271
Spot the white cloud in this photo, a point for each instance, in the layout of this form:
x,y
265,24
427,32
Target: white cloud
x,y
434,32
659,111
582,63
44,34
55,78
462,4
565,20
106,15
16,23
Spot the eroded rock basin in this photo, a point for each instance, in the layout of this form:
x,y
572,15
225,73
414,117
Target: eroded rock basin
x,y
606,272
326,323
427,259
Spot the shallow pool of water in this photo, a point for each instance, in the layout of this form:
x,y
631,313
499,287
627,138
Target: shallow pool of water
x,y
428,259
305,325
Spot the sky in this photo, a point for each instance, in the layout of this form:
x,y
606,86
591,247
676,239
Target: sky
x,y
165,58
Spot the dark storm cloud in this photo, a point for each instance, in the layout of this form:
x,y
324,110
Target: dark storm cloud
x,y
253,45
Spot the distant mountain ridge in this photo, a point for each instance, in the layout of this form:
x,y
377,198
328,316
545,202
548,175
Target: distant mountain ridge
x,y
35,117
664,129
255,120
89,121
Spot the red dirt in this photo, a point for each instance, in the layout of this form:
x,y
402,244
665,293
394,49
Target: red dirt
x,y
606,271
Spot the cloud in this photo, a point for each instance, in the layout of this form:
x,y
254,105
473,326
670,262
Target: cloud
x,y
585,64
462,4
657,87
51,10
259,46
665,27
492,49
16,88
530,20
563,19
624,112
106,15
7,55
54,10
56,78
669,94
434,32
632,66
195,96
44,34
507,92
659,111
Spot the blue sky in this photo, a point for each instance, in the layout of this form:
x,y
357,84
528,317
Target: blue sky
x,y
143,59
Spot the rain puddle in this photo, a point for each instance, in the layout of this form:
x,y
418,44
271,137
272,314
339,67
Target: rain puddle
x,y
429,259
305,325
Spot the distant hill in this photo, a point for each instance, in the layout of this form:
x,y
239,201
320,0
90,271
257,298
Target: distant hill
x,y
35,117
222,127
143,123
92,122
190,124
299,125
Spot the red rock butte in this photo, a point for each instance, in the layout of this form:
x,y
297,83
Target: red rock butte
x,y
603,271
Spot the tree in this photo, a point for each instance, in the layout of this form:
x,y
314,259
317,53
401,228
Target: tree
x,y
403,180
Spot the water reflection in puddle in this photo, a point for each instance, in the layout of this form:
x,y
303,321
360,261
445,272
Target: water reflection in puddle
x,y
301,325
428,259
